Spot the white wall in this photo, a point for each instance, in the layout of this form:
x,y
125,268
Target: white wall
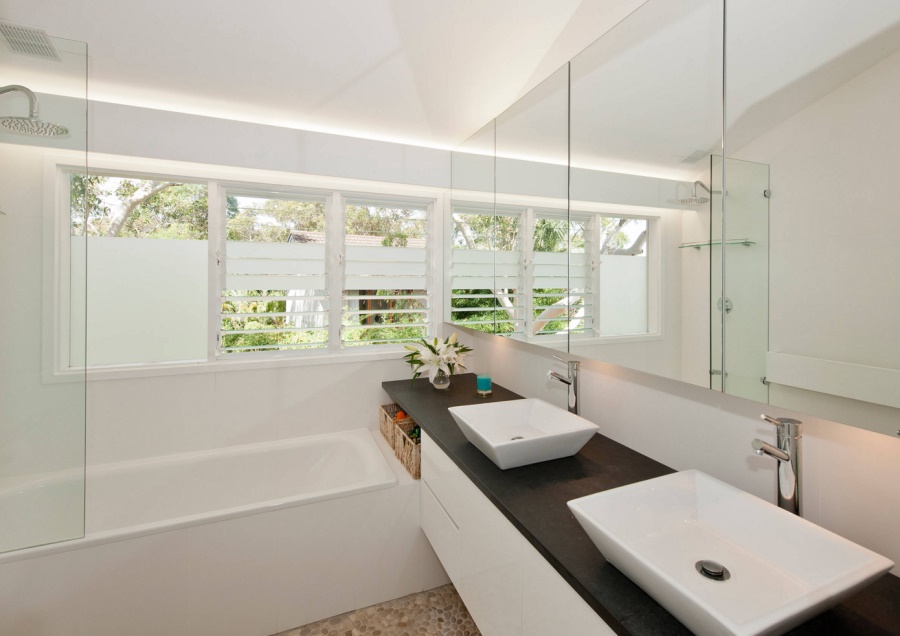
x,y
43,425
850,474
158,134
148,416
834,229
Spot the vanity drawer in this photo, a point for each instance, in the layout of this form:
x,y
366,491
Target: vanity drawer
x,y
443,477
441,531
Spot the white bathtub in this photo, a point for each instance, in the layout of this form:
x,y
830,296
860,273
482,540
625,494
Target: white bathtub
x,y
137,498
243,541
178,490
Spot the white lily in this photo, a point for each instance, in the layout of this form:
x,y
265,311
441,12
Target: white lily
x,y
436,356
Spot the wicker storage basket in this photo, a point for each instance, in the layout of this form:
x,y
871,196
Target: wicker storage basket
x,y
408,450
396,432
387,412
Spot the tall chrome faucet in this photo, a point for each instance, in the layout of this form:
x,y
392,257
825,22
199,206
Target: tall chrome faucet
x,y
790,433
570,380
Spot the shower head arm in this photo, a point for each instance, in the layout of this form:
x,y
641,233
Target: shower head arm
x,y
32,98
700,183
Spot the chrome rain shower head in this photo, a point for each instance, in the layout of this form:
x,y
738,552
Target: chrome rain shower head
x,y
33,126
694,199
30,125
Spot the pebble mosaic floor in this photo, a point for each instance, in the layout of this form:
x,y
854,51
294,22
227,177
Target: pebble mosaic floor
x,y
437,612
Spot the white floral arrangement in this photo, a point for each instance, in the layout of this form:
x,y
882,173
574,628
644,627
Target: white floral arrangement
x,y
447,356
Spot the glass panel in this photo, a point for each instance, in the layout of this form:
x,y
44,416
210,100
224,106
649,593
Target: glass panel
x,y
42,276
646,116
386,291
623,295
553,309
275,295
532,176
812,109
148,271
478,239
747,280
713,245
471,298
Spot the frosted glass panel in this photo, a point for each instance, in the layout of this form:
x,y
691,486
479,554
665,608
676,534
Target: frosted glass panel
x,y
42,422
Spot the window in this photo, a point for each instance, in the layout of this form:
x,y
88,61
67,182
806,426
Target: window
x,y
194,269
385,287
485,269
624,275
554,308
275,294
147,270
538,273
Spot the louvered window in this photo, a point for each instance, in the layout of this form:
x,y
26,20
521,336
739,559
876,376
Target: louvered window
x,y
386,297
275,292
555,306
486,269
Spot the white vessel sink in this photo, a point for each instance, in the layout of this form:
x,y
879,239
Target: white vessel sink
x,y
783,569
521,432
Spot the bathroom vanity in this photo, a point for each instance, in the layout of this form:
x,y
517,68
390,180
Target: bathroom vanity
x,y
519,559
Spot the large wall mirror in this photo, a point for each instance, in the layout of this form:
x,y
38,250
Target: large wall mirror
x,y
597,215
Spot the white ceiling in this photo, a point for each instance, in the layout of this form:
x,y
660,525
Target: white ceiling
x,y
650,91
428,72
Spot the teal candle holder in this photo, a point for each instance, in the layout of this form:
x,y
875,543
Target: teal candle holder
x,y
483,385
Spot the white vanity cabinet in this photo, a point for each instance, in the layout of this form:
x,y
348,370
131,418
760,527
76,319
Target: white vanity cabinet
x,y
507,586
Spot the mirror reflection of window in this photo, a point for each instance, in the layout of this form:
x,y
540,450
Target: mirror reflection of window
x,y
482,298
622,248
554,310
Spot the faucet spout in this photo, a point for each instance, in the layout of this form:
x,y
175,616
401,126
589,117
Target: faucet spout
x,y
570,380
787,452
558,376
762,448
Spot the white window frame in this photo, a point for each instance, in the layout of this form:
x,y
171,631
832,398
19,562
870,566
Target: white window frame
x,y
58,166
529,204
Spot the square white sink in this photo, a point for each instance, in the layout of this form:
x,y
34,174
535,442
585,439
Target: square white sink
x,y
521,432
782,570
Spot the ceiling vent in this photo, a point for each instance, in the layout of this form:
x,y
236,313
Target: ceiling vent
x,y
29,40
694,157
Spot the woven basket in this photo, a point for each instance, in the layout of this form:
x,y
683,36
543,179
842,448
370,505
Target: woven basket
x,y
387,412
396,432
407,450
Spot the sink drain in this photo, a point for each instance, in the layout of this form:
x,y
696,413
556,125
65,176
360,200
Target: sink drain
x,y
713,570
512,439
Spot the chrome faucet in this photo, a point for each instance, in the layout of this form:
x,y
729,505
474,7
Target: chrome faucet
x,y
790,433
570,380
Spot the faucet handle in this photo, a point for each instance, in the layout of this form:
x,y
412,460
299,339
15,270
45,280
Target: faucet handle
x,y
784,423
569,363
769,419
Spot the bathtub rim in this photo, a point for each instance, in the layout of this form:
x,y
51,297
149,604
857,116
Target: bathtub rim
x,y
159,527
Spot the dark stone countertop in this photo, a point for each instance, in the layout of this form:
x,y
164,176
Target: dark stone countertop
x,y
534,498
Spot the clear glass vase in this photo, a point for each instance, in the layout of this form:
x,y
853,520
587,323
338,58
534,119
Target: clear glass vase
x,y
441,380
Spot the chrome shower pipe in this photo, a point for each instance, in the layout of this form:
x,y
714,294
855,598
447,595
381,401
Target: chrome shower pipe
x,y
32,98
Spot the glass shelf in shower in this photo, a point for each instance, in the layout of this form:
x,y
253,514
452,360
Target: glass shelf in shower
x,y
700,244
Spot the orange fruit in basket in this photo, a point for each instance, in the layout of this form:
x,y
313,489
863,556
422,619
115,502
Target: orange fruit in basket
x,y
400,415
